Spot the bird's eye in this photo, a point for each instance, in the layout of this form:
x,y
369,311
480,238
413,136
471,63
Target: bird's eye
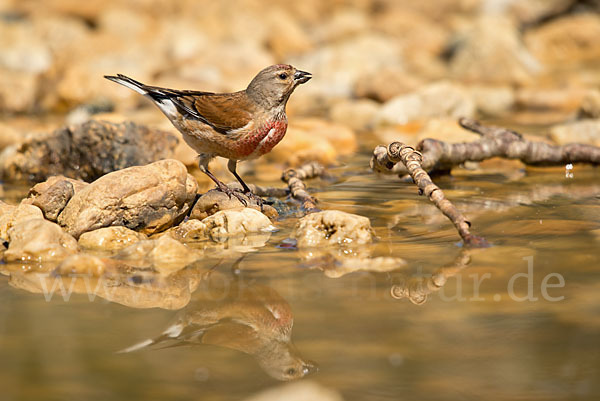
x,y
283,75
291,371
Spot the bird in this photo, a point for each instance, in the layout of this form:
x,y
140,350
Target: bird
x,y
244,316
238,126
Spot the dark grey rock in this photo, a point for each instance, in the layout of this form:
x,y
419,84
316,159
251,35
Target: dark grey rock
x,y
86,151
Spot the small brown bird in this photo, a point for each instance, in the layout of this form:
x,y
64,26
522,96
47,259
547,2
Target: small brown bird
x,y
238,126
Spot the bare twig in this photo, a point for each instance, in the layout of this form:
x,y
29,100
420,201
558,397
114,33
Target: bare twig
x,y
411,159
294,179
494,142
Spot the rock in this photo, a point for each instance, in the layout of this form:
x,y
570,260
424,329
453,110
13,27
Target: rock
x,y
337,66
443,129
446,130
332,227
584,131
239,61
356,114
422,39
492,100
440,99
286,36
13,215
38,240
164,255
21,49
43,187
85,151
228,223
568,99
304,390
18,91
52,195
526,12
590,105
214,201
491,51
385,84
9,135
417,32
189,231
109,238
399,133
147,198
568,40
312,139
343,24
24,57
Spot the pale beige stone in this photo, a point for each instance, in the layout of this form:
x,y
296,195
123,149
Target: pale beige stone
x,y
147,198
38,240
242,222
13,215
109,238
333,227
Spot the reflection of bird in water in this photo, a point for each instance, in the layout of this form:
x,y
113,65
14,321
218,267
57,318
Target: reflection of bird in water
x,y
247,317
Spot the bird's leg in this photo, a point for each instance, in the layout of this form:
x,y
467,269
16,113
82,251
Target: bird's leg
x,y
222,187
231,165
189,213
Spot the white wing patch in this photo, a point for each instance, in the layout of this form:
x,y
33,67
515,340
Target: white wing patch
x,y
233,132
167,107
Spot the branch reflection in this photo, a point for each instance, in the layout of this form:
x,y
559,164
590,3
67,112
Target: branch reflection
x,y
417,288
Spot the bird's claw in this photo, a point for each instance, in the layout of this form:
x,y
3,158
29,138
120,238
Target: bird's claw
x,y
259,201
230,192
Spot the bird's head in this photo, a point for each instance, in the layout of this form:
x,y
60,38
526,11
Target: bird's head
x,y
273,86
282,361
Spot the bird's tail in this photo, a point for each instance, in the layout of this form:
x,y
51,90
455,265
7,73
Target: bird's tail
x,y
169,334
128,82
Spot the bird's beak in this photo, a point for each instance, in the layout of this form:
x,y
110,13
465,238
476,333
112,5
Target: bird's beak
x,y
301,77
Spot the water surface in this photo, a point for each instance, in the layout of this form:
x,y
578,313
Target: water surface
x,y
471,336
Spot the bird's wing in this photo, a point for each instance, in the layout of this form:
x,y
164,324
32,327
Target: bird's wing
x,y
223,112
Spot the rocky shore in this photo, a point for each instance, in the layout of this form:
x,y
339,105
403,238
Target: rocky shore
x,y
113,183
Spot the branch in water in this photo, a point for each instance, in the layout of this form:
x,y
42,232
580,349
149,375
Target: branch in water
x,y
495,142
294,177
412,161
